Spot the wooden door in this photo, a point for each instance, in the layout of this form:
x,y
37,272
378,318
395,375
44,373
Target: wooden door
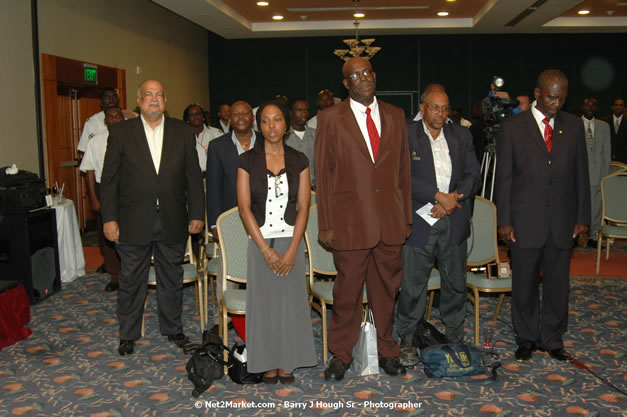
x,y
68,103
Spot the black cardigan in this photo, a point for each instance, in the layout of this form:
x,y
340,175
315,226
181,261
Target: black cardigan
x,y
254,162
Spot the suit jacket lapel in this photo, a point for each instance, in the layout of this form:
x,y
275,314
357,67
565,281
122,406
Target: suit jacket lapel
x,y
427,156
168,141
142,143
352,127
533,131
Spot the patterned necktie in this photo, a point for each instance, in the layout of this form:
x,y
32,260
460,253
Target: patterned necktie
x,y
548,134
372,132
589,136
616,125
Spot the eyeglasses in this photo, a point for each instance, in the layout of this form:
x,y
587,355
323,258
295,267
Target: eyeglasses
x,y
358,74
438,109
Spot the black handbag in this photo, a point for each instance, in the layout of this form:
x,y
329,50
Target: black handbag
x,y
427,335
206,363
238,370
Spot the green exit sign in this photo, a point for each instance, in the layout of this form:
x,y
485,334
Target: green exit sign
x,y
90,74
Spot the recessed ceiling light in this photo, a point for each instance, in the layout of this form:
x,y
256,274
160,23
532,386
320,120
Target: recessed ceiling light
x,y
450,1
263,3
277,17
359,15
583,12
442,14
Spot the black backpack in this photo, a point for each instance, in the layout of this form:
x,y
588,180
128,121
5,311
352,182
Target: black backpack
x,y
427,335
206,363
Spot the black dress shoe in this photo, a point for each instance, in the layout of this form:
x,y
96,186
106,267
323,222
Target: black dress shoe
x,y
126,347
112,286
592,243
392,366
524,351
179,340
335,369
561,355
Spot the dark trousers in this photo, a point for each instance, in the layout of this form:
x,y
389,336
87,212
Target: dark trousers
x,y
417,266
134,284
543,326
380,269
107,248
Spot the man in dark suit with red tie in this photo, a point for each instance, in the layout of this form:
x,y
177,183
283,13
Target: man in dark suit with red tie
x,y
151,199
543,201
364,212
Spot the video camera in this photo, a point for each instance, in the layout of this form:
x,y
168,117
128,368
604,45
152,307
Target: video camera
x,y
497,109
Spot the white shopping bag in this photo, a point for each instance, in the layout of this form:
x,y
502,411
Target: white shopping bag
x,y
365,354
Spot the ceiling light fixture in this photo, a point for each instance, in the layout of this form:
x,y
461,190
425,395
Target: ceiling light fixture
x,y
583,12
263,3
359,15
357,47
277,17
442,14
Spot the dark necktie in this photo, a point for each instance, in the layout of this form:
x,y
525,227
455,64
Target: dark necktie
x,y
548,134
375,139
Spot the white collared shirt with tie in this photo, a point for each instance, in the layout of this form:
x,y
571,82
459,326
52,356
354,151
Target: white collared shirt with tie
x,y
359,110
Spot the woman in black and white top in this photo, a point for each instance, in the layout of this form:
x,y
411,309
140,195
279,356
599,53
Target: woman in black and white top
x,y
273,196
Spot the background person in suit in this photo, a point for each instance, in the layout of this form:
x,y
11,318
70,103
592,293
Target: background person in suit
x,y
599,147
222,162
445,173
364,212
152,198
543,201
618,130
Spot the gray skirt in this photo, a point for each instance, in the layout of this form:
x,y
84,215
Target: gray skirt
x,y
278,322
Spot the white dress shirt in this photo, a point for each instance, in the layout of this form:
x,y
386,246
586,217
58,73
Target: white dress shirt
x,y
155,140
93,160
240,149
359,110
539,116
94,125
441,159
202,144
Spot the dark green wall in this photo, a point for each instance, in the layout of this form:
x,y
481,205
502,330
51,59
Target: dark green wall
x,y
256,69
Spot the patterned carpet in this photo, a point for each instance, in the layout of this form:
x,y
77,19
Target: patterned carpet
x,y
70,367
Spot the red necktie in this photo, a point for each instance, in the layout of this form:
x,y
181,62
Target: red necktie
x,y
372,132
548,134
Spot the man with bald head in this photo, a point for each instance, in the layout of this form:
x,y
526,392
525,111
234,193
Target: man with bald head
x,y
364,212
444,175
151,200
222,161
543,201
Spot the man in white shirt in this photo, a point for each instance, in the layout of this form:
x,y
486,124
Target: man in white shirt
x,y
152,199
444,173
194,116
301,136
618,130
92,164
325,100
598,145
96,124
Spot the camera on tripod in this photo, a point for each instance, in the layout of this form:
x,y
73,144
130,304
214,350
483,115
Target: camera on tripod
x,y
497,109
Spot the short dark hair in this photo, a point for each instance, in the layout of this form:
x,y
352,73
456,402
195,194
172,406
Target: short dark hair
x,y
295,100
188,108
281,106
105,91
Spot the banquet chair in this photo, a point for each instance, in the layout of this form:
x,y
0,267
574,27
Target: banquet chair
x,y
482,251
616,166
210,263
320,262
191,274
233,256
614,220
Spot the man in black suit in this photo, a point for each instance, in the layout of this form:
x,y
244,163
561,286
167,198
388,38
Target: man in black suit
x,y
152,198
445,175
222,162
543,201
618,130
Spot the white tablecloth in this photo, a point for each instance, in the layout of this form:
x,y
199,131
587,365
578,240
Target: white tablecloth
x,y
71,257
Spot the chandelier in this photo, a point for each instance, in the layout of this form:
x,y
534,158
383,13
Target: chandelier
x,y
357,47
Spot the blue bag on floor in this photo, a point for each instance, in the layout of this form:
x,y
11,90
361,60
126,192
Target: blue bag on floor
x,y
450,360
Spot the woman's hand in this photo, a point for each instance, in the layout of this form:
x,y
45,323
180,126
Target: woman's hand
x,y
272,259
286,263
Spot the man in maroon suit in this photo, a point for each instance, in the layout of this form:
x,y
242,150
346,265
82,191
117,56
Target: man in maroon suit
x,y
364,209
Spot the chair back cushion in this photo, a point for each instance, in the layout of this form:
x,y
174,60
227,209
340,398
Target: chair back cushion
x,y
233,244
